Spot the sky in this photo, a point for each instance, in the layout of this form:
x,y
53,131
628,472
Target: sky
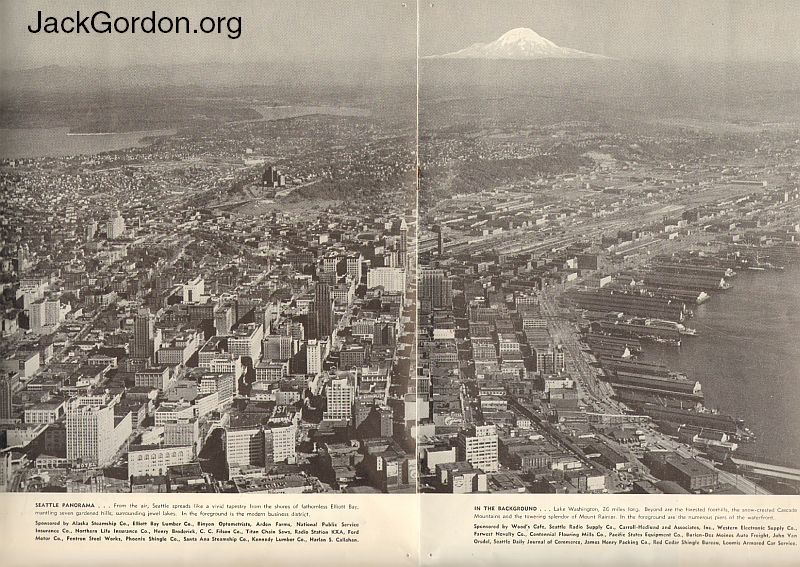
x,y
272,30
679,30
385,30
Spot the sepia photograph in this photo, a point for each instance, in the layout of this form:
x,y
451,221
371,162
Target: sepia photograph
x,y
609,257
207,248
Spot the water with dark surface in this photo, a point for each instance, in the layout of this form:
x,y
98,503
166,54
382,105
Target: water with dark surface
x,y
747,358
58,142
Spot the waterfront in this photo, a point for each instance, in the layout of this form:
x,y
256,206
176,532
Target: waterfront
x,y
18,143
747,358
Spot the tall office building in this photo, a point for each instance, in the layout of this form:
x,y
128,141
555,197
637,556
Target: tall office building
x,y
385,334
224,319
143,344
340,394
92,435
247,340
244,446
90,230
115,227
478,445
36,315
436,287
313,357
6,397
272,178
392,280
402,250
52,312
354,267
280,442
277,347
323,310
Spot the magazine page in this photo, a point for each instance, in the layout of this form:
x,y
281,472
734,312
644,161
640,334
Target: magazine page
x,y
280,278
208,313
608,283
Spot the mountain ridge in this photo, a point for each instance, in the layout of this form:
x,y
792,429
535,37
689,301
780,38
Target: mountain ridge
x,y
518,44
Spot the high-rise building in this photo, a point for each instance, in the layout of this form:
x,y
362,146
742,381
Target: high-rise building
x,y
402,250
93,437
340,395
52,312
6,397
392,280
313,357
549,357
323,310
478,445
330,263
385,334
36,315
115,226
143,343
436,287
247,341
224,319
280,444
90,230
244,446
277,347
354,264
182,432
272,178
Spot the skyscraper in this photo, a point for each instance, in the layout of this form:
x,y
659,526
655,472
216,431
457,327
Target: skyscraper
x,y
402,250
5,398
92,435
354,266
436,287
280,444
478,446
340,394
313,357
142,345
224,319
115,226
323,310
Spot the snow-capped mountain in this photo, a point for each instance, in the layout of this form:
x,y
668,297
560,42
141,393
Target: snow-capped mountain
x,y
519,43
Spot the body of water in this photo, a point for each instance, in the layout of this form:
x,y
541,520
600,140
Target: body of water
x,y
747,358
57,142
